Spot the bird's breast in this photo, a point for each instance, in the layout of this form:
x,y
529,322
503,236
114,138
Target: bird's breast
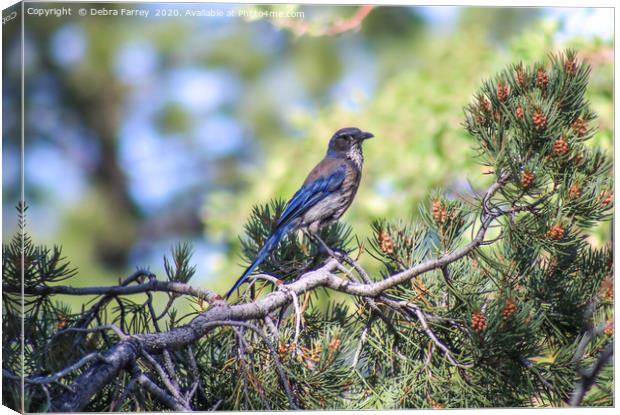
x,y
332,207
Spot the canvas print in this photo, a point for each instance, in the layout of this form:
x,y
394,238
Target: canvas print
x,y
240,207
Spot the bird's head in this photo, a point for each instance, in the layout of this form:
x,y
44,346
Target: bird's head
x,y
346,140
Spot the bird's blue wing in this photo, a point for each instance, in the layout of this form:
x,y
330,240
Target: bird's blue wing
x,y
311,194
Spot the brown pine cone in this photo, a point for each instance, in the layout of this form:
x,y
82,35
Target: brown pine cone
x,y
503,91
509,309
609,328
540,120
574,192
542,78
606,198
386,243
520,77
478,322
519,112
527,178
560,147
607,286
570,66
556,232
440,213
580,127
485,104
334,344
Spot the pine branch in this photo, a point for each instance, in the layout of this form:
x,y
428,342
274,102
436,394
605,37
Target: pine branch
x,y
220,312
531,291
589,376
160,394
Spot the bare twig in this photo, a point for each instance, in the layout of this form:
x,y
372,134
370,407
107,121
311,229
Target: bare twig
x,y
160,394
165,378
118,403
363,337
217,405
588,377
164,312
101,328
194,371
273,330
241,365
297,317
167,358
429,332
279,368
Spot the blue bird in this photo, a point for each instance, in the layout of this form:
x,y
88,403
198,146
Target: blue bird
x,y
324,196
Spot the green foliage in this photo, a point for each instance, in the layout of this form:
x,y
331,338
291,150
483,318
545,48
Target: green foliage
x,y
415,113
510,323
182,270
31,319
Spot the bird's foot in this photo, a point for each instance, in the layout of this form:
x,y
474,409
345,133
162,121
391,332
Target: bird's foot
x,y
336,254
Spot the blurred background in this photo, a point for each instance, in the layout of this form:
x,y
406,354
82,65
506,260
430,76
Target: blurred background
x,y
143,132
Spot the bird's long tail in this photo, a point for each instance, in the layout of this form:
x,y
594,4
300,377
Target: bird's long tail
x,y
269,245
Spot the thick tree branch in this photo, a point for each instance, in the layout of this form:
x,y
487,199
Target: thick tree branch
x,y
220,313
94,378
41,380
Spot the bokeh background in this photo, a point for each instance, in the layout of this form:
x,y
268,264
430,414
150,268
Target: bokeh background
x,y
142,132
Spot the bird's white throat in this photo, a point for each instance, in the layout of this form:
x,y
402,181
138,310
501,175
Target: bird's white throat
x,y
355,155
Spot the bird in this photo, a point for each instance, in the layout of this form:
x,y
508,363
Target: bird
x,y
327,192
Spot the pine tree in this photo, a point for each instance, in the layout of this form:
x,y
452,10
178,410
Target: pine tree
x,y
493,301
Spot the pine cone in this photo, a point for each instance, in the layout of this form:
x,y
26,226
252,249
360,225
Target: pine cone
x,y
574,192
607,287
386,243
520,76
570,66
478,322
509,309
440,213
519,112
503,91
527,178
485,104
282,348
542,78
577,158
580,127
334,344
556,232
609,328
560,147
606,198
539,119
437,405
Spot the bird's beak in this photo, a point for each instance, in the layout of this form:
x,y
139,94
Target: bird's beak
x,y
366,136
